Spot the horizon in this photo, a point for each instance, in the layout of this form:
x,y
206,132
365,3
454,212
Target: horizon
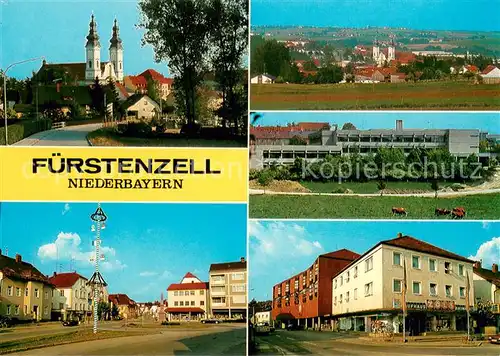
x,y
369,27
375,13
301,241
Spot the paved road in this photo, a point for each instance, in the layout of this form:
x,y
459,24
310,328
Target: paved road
x,y
222,340
303,342
67,136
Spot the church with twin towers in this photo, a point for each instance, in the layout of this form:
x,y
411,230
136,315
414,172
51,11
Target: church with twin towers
x,y
85,73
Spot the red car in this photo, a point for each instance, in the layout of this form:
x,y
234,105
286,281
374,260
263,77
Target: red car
x,y
494,339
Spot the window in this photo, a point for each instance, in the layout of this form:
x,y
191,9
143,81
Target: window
x,y
176,293
90,64
176,304
145,102
26,292
432,265
368,289
417,288
355,271
355,293
460,270
181,293
61,306
202,302
347,278
37,293
447,267
335,301
46,310
448,291
9,291
335,283
340,299
415,262
397,286
433,289
238,276
396,258
347,297
16,310
202,292
341,280
181,303
46,295
369,264
191,292
186,303
18,291
8,309
62,293
462,292
25,310
192,303
238,288
76,293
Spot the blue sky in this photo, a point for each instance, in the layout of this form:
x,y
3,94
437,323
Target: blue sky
x,y
416,14
489,122
56,29
281,249
147,246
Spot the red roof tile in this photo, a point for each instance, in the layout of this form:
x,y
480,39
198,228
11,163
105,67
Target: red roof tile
x,y
189,275
120,299
188,286
488,69
342,254
65,280
312,126
185,310
122,89
153,74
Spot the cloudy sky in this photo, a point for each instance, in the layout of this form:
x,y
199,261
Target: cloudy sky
x,y
146,246
415,14
280,249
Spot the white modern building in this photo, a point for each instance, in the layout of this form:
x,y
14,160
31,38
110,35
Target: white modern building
x,y
188,300
72,296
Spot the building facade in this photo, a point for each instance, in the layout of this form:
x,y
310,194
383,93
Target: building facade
x,y
25,293
127,308
459,142
72,296
228,289
306,298
369,292
487,288
189,299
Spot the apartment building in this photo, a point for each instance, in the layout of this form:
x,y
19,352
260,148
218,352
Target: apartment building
x,y
487,288
72,296
189,299
369,289
306,298
25,293
228,289
459,142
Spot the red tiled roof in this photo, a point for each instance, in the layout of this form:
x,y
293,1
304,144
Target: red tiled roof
x,y
20,270
153,74
228,266
312,126
65,280
342,254
120,299
185,310
472,68
189,275
488,275
122,89
488,69
188,286
138,80
307,73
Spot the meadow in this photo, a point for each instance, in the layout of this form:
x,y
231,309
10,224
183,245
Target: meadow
x,y
478,207
433,95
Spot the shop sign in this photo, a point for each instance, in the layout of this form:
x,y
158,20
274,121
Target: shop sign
x,y
416,306
440,304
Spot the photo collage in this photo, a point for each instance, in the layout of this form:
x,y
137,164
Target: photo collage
x,y
275,177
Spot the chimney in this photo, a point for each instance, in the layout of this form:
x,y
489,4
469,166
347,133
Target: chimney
x,y
44,62
477,264
399,125
242,260
18,258
400,235
494,268
55,274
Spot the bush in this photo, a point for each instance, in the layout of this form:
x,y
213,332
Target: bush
x,y
253,174
135,129
265,177
24,128
166,323
279,80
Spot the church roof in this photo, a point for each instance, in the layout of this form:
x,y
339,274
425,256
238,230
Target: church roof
x,y
75,70
93,36
115,38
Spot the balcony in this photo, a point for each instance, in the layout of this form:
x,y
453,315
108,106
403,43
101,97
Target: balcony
x,y
218,291
218,281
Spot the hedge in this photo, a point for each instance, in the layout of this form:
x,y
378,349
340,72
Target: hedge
x,y
24,128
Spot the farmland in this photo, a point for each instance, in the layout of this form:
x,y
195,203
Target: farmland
x,y
435,95
479,207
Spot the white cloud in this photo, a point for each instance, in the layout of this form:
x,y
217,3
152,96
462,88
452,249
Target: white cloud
x,y
148,274
67,246
279,241
488,252
66,209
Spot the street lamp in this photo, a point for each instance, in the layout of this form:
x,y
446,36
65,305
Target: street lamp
x,y
97,281
5,91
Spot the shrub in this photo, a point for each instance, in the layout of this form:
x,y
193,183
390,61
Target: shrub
x,y
24,128
265,177
279,80
253,174
134,129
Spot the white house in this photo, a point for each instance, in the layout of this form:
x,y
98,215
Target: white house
x,y
487,287
263,317
71,296
188,300
491,75
141,106
263,79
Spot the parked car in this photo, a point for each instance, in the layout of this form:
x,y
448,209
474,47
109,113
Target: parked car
x,y
5,322
70,323
210,321
494,339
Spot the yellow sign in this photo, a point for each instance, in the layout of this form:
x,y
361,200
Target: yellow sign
x,y
123,174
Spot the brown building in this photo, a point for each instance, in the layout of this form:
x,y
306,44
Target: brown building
x,y
306,298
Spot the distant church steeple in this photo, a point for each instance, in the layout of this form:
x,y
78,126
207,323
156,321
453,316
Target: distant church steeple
x,y
116,52
93,53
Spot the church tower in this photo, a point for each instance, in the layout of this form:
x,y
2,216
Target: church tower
x,y
376,51
391,52
93,53
116,52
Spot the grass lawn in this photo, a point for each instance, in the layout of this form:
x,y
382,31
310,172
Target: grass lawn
x,y
103,137
366,188
421,95
60,339
478,207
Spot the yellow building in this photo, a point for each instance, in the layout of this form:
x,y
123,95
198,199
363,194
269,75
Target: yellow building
x,y
25,293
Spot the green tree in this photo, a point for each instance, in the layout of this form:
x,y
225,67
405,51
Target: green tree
x,y
297,140
270,57
329,75
153,90
484,146
97,97
348,126
179,31
113,98
381,185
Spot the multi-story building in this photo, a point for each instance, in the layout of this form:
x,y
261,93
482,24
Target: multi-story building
x,y
71,296
262,317
228,289
25,293
487,288
127,308
459,142
369,291
189,299
307,296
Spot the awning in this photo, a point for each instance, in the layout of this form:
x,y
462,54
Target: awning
x,y
185,310
285,316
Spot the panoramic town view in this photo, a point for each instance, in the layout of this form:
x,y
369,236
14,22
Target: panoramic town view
x,y
374,165
386,57
111,279
125,73
402,288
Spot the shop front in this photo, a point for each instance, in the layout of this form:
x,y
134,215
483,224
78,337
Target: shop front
x,y
435,316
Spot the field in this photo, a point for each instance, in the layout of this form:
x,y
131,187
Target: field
x,y
441,95
479,207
